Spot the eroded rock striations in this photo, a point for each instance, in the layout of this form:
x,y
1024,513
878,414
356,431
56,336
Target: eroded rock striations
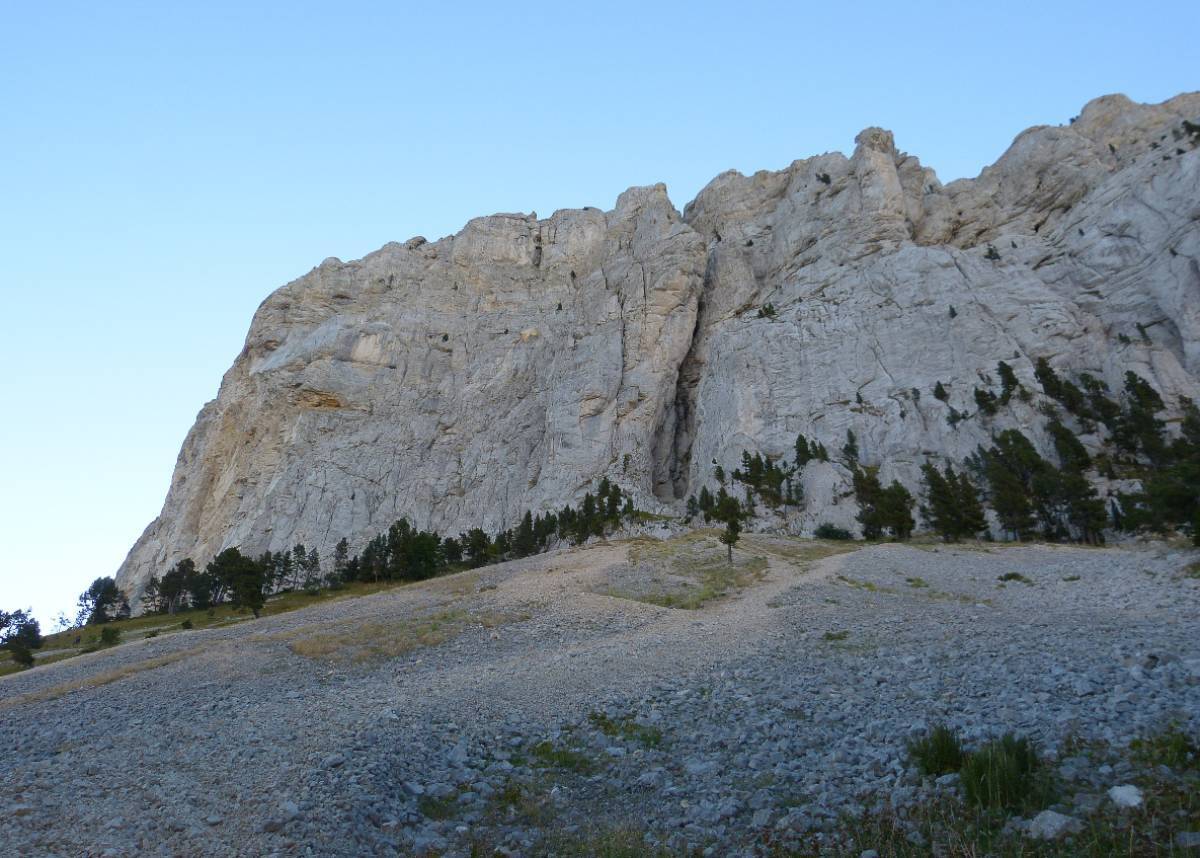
x,y
508,367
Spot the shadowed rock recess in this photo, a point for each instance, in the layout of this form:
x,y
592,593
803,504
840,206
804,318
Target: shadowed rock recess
x,y
462,381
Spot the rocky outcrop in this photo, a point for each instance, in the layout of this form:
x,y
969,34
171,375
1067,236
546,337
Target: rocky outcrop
x,y
462,381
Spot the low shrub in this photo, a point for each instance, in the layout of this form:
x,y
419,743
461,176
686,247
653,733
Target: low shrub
x,y
939,752
825,530
186,624
1014,576
110,636
1002,775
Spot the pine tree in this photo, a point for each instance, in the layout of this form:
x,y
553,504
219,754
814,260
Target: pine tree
x,y
243,577
804,453
939,392
941,506
341,557
970,510
730,535
524,541
985,400
867,492
1008,382
895,508
850,449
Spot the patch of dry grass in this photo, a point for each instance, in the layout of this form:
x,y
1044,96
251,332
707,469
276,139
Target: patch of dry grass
x,y
377,641
98,679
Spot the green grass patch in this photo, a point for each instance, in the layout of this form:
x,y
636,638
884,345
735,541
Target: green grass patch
x,y
1003,775
939,752
438,808
1173,747
835,636
918,583
626,728
553,756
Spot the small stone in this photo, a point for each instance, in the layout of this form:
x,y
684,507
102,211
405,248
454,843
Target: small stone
x,y
1050,825
1126,795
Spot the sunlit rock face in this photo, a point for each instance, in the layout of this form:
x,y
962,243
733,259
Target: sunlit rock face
x,y
510,366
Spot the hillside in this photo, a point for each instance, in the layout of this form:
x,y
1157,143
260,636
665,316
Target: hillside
x,y
638,696
459,382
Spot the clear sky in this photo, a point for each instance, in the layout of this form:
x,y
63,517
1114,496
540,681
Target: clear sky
x,y
164,166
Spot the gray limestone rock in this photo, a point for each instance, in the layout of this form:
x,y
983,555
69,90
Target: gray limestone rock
x,y
462,381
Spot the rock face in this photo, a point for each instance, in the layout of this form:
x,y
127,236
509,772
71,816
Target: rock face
x,y
510,366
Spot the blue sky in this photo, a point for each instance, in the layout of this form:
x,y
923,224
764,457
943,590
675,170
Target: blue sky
x,y
163,167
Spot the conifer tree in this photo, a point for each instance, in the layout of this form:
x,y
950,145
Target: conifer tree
x,y
1008,382
525,542
970,510
804,453
850,449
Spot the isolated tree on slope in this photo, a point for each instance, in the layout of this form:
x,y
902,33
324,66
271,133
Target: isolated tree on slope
x,y
20,634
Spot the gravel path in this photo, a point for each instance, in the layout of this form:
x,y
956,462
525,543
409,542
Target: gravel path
x,y
497,704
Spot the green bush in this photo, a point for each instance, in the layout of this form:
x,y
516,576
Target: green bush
x,y
186,624
110,636
1002,775
1172,747
938,753
828,531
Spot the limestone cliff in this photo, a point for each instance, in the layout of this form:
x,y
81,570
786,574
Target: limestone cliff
x,y
508,367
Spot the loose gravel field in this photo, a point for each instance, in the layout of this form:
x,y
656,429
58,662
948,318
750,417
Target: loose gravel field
x,y
627,685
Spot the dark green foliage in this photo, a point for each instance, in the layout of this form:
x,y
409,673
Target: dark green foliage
x,y
767,311
1139,430
766,477
882,509
1170,495
101,602
939,392
953,312
825,530
992,254
1099,405
1008,382
730,535
176,584
1007,471
1047,378
850,448
242,577
937,753
952,503
1071,454
110,636
805,452
986,401
1002,775
187,625
20,635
